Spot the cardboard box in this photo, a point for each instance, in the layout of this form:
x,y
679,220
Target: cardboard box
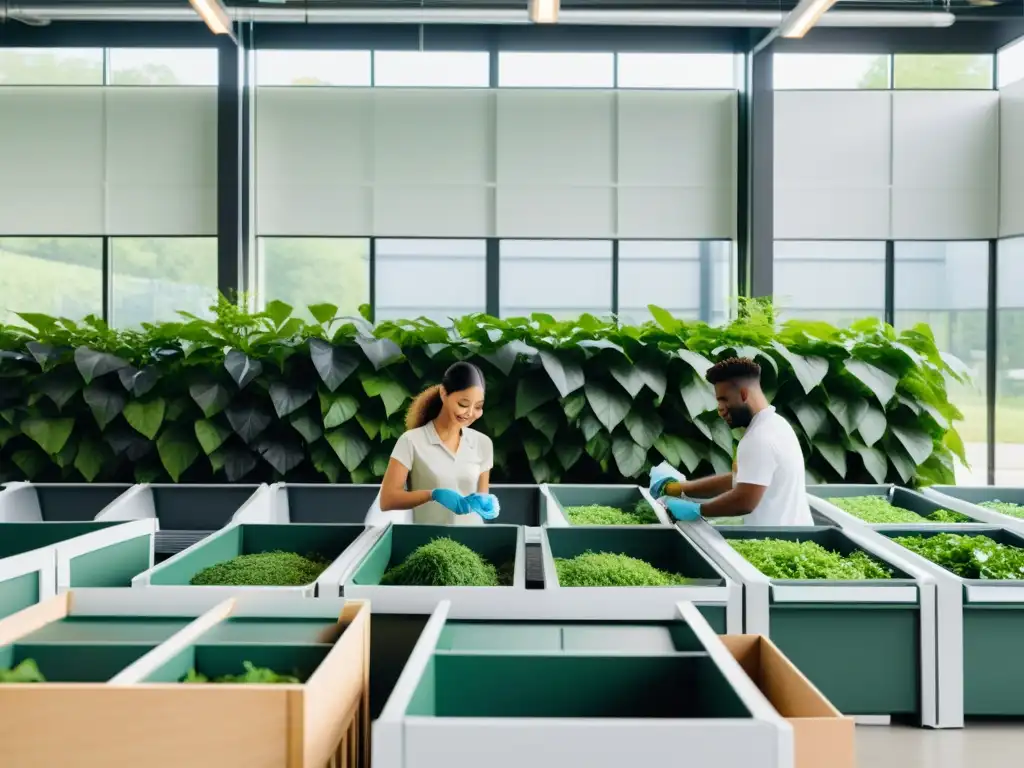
x,y
823,737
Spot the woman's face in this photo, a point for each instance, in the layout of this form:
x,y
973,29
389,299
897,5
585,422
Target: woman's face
x,y
465,406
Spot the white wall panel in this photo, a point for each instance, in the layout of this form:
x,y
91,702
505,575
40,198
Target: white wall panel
x,y
832,164
1011,160
945,164
161,151
314,161
677,164
53,164
555,137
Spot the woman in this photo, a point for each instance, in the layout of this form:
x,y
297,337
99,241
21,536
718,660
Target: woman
x,y
447,464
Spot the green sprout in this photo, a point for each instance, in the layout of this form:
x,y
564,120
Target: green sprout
x,y
604,569
879,510
252,674
596,514
806,560
969,557
267,569
26,672
444,562
1004,507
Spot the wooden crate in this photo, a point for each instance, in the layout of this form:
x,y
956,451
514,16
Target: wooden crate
x,y
138,717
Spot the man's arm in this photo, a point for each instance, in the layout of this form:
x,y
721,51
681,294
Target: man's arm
x,y
704,488
741,500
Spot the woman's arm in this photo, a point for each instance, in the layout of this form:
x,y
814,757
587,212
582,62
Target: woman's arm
x,y
393,495
484,482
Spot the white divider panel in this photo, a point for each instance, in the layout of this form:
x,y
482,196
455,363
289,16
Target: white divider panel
x,y
314,161
945,164
53,168
1011,160
676,159
161,160
432,161
832,164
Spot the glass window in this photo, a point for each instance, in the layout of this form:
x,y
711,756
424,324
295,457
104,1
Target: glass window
x,y
58,276
438,279
952,71
416,69
693,280
945,285
346,68
829,71
313,270
564,278
153,278
677,70
162,66
1009,435
556,70
854,273
1010,63
51,66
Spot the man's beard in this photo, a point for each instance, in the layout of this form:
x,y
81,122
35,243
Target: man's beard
x,y
740,416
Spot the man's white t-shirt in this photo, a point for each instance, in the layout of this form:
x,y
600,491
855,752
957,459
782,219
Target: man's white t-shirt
x,y
769,454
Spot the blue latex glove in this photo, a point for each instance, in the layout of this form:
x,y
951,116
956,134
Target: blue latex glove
x,y
485,504
453,500
683,510
662,475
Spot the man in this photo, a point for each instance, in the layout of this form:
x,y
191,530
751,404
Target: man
x,y
767,484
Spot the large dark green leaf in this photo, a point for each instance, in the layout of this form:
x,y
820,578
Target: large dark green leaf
x,y
90,458
848,413
178,451
248,421
678,451
349,446
146,416
283,455
541,471
834,454
722,435
48,434
630,377
211,435
812,417
875,462
235,461
644,427
654,378
872,425
904,465
566,375
105,402
242,368
325,461
504,357
917,442
546,420
599,447
337,409
288,399
881,383
371,426
534,446
532,392
139,382
92,364
609,406
573,405
629,457
334,364
211,396
568,454
698,396
59,384
720,462
809,370
589,426
45,354
498,418
307,426
323,313
30,461
698,362
380,352
391,392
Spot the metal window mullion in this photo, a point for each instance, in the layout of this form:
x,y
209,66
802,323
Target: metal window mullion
x,y
108,283
890,282
493,276
992,359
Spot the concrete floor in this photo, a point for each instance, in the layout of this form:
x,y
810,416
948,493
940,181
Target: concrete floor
x,y
979,745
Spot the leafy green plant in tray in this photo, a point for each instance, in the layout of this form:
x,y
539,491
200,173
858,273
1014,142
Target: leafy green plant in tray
x,y
444,562
970,557
605,569
596,514
265,569
780,559
879,510
252,674
1004,507
26,672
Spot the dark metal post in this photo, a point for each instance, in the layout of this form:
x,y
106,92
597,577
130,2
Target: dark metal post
x,y
992,357
757,180
706,280
890,282
232,248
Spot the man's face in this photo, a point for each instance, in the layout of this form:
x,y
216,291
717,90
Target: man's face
x,y
732,404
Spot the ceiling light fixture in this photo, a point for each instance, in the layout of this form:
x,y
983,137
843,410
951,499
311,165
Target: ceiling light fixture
x,y
544,11
804,16
214,14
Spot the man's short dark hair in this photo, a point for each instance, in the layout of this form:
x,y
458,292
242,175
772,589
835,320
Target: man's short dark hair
x,y
734,369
